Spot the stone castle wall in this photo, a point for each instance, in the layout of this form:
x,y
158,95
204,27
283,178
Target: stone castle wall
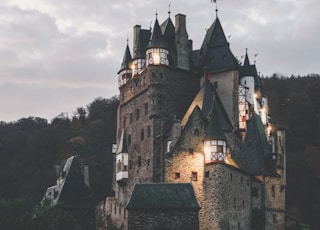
x,y
227,198
163,220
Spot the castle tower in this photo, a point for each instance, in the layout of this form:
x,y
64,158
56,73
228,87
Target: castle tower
x,y
124,74
157,52
218,64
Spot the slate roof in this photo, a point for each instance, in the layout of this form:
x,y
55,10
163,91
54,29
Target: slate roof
x,y
169,35
70,190
250,70
126,60
213,130
215,53
179,196
157,39
255,156
208,101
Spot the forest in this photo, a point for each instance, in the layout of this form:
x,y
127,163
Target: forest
x,y
30,148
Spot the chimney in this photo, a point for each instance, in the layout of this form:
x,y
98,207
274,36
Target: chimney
x,y
136,35
182,42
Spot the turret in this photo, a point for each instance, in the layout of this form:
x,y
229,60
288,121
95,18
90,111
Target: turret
x,y
214,141
157,52
124,74
122,161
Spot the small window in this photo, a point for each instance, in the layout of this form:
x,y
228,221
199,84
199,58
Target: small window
x,y
220,148
130,165
231,176
191,151
139,161
207,173
148,131
254,192
145,108
177,175
194,176
137,114
215,84
148,162
130,118
124,122
274,219
273,191
142,134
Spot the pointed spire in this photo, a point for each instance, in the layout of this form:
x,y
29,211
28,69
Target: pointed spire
x,y
216,47
157,37
126,59
214,131
246,59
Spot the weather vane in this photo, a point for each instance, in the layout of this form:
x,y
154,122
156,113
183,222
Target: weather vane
x,y
215,2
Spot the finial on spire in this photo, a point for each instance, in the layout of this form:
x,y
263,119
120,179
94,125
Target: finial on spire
x,y
215,2
127,41
156,13
169,12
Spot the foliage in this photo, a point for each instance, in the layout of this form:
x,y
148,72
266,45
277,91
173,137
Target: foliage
x,y
295,105
31,147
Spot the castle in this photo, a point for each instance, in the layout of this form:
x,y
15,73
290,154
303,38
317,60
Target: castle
x,y
195,147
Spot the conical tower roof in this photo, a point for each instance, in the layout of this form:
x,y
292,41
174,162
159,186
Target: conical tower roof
x,y
157,40
250,70
126,60
213,130
215,53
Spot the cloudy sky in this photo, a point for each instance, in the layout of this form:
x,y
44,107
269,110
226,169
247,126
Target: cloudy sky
x,y
57,55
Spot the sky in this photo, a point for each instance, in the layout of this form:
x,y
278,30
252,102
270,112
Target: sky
x,y
58,55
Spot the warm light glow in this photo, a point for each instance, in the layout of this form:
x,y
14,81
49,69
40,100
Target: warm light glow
x,y
156,58
269,130
255,95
